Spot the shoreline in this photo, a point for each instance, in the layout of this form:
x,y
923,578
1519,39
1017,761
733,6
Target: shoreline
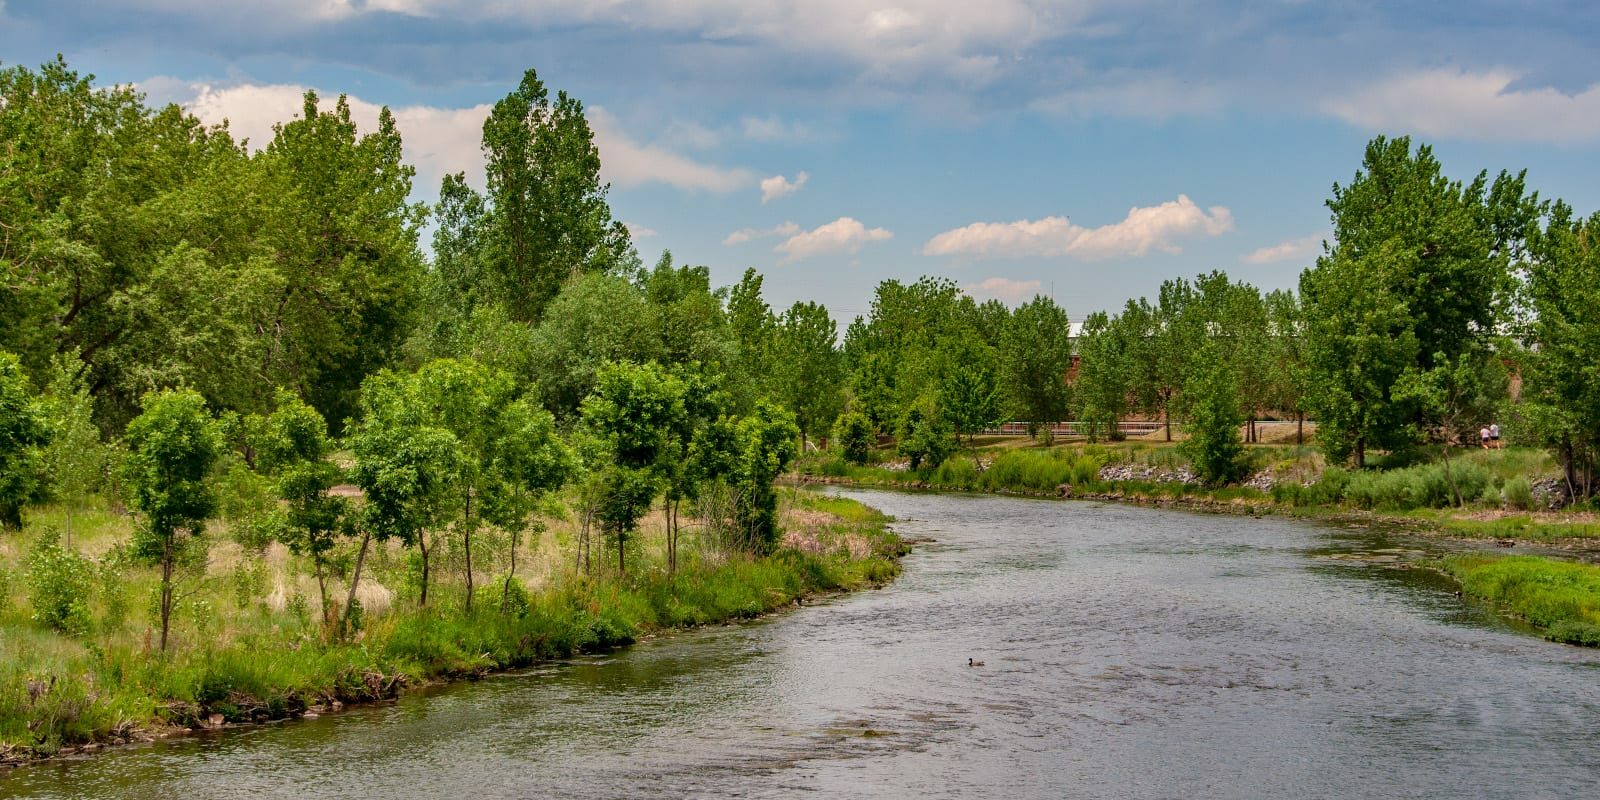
x,y
1584,548
783,582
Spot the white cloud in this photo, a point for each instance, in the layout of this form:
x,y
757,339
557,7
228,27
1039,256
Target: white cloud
x,y
626,162
747,234
777,186
638,231
843,235
892,39
772,129
1467,105
441,141
1003,289
1293,249
1143,230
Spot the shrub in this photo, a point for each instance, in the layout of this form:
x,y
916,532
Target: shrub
x,y
1518,494
853,433
58,586
958,473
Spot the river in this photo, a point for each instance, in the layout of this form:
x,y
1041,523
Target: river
x,y
1128,653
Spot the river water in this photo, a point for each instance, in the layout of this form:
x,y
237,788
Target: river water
x,y
1128,652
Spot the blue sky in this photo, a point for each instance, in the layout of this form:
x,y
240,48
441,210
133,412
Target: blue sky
x,y
1082,149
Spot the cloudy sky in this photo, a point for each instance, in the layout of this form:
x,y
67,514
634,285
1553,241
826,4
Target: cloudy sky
x,y
1086,149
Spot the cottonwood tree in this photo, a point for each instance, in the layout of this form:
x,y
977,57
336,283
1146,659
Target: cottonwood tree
x,y
1560,336
75,457
1453,398
808,373
1418,272
1210,401
1103,385
547,211
172,446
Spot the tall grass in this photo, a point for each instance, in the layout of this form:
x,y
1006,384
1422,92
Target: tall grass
x,y
246,659
1560,598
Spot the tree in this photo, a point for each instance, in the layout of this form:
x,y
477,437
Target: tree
x,y
853,435
549,219
23,431
924,434
970,395
529,460
635,408
171,448
1210,402
754,331
1454,398
808,375
406,466
1103,383
595,320
1560,335
75,457
1418,270
1036,350
764,446
294,450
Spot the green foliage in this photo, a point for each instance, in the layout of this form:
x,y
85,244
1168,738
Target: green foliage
x,y
924,435
852,434
23,431
1424,486
171,449
765,443
1042,470
1561,598
1211,402
1518,494
1560,408
807,369
1376,308
546,215
1036,352
75,458
59,584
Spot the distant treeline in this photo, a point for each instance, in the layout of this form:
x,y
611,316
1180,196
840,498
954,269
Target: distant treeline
x,y
146,251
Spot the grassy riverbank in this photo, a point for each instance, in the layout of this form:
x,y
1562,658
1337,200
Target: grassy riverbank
x,y
251,645
1486,494
1559,598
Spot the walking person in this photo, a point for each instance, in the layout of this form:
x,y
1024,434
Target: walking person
x,y
1483,438
1494,435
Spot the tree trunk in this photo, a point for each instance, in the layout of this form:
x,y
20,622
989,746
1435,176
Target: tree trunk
x,y
466,539
422,544
505,590
622,554
1166,416
322,588
166,589
1361,452
1299,427
355,578
1455,490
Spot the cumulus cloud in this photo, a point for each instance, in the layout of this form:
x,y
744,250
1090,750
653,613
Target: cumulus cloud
x,y
1144,97
441,141
748,234
638,231
772,129
1469,105
1144,229
1004,289
777,186
843,235
1291,250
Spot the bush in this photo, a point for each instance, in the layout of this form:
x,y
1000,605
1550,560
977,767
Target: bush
x,y
1042,470
58,586
853,434
956,473
1424,486
1518,494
